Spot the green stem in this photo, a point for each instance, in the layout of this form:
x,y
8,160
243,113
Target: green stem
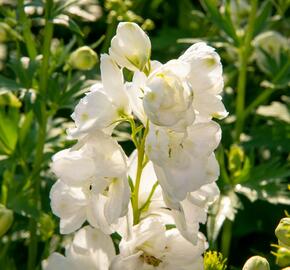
x,y
109,34
27,35
48,33
135,195
244,54
146,204
226,238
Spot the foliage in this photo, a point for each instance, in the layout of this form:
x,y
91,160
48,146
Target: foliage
x,y
38,89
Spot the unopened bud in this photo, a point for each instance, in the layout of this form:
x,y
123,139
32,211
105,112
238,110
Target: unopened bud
x,y
256,263
84,58
6,219
236,160
283,231
283,257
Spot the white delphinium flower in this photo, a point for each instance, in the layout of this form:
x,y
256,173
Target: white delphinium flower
x,y
130,47
192,210
93,184
104,104
206,80
151,246
271,42
184,163
90,250
135,91
168,98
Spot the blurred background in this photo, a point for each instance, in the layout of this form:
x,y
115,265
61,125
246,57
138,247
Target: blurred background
x,y
49,53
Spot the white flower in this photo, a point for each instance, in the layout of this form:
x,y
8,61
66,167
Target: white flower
x,y
192,210
206,80
205,68
271,42
184,163
73,166
90,250
104,104
151,246
130,47
168,98
136,95
97,191
135,91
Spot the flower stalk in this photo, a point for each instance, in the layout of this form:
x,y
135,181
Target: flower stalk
x,y
140,166
244,54
35,176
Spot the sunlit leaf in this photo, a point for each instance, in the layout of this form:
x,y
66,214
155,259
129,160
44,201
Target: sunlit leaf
x,y
267,182
223,22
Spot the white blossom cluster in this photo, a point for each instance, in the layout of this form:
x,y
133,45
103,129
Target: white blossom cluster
x,y
156,198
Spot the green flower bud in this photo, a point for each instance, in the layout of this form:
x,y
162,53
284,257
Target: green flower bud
x,y
236,157
84,58
283,257
46,226
283,231
256,263
6,219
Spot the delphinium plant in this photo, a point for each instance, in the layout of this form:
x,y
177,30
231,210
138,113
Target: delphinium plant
x,y
153,201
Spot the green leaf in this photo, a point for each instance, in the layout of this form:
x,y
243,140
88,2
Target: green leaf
x,y
8,130
274,136
23,203
8,84
267,182
223,22
72,25
263,15
60,8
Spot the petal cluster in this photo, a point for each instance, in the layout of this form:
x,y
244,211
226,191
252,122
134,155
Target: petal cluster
x,y
170,177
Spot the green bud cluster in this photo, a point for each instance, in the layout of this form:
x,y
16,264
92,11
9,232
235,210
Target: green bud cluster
x,y
214,260
283,248
122,10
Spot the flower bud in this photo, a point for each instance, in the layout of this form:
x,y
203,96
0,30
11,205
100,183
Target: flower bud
x,y
130,47
283,231
236,160
168,99
84,58
6,219
256,263
283,256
